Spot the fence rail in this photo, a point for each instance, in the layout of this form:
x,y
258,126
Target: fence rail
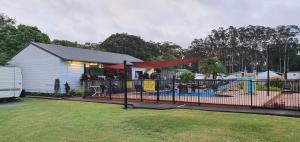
x,y
234,93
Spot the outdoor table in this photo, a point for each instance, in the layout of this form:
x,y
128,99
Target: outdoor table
x,y
97,90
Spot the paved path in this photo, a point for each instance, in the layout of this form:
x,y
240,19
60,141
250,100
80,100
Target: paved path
x,y
291,113
159,106
81,99
12,104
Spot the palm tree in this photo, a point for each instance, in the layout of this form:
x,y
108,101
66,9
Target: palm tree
x,y
212,67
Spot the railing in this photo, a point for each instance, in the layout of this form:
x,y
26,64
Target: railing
x,y
232,93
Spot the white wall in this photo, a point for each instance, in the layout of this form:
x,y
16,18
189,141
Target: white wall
x,y
71,72
293,75
39,69
134,70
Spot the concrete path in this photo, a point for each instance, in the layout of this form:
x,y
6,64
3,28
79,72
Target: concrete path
x,y
291,113
12,104
80,99
141,105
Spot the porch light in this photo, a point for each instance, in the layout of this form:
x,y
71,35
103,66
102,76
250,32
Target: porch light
x,y
75,64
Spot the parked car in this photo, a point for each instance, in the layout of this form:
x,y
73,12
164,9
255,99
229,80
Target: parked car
x,y
10,82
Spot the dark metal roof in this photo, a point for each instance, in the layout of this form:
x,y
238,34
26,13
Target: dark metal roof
x,y
85,55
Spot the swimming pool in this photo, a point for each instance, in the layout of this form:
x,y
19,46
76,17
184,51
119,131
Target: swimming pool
x,y
208,93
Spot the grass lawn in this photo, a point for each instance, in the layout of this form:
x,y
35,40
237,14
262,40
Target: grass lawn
x,y
58,121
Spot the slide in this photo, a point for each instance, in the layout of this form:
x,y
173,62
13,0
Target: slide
x,y
228,86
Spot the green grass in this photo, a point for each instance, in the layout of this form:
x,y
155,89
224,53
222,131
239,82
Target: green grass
x,y
58,121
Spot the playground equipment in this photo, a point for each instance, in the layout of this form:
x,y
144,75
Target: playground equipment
x,y
233,85
249,85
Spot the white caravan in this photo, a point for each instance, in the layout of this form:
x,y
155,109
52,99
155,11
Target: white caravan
x,y
10,82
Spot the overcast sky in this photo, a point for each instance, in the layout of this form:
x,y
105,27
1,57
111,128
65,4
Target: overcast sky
x,y
178,21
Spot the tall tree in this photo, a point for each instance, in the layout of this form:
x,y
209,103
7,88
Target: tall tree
x,y
137,47
128,44
15,38
6,21
88,45
245,47
286,40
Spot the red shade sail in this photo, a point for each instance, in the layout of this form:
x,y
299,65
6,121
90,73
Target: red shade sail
x,y
169,63
159,64
115,67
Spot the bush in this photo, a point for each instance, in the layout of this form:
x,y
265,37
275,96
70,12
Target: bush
x,y
187,77
56,85
42,94
79,94
23,93
55,94
67,87
277,82
72,93
265,88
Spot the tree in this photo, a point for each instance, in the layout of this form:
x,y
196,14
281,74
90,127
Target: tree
x,y
187,77
65,43
127,44
286,37
137,47
163,57
242,47
170,51
15,38
88,45
212,67
6,21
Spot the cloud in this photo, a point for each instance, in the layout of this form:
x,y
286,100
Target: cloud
x,y
159,20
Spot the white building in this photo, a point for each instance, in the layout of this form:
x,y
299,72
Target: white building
x,y
234,76
135,72
41,64
264,75
293,75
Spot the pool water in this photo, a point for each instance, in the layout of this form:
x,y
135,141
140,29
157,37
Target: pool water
x,y
208,93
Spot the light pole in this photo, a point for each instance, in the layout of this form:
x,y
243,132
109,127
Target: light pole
x,y
285,61
268,66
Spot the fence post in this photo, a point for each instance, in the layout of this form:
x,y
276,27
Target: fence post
x,y
125,85
173,89
268,73
110,88
198,91
141,91
251,92
157,90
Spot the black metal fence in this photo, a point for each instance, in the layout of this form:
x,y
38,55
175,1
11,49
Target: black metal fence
x,y
233,93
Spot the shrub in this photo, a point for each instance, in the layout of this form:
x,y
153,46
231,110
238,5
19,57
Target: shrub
x,y
265,88
79,94
56,85
72,93
67,88
23,93
55,94
277,82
